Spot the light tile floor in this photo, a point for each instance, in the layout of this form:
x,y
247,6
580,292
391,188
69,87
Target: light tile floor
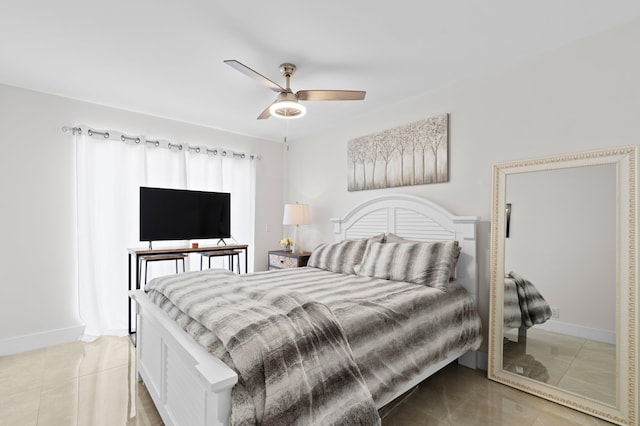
x,y
457,395
578,365
94,383
75,384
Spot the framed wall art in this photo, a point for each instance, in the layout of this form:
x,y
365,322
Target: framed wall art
x,y
411,154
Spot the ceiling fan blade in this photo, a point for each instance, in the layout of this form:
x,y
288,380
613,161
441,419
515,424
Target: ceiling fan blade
x,y
331,95
266,114
255,75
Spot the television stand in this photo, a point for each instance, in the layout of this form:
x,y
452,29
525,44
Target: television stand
x,y
134,255
221,240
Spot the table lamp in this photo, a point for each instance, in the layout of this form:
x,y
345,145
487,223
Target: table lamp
x,y
296,214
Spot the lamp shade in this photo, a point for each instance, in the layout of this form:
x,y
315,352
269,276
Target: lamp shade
x,y
296,214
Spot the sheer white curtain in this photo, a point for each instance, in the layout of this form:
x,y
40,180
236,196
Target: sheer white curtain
x,y
109,175
227,174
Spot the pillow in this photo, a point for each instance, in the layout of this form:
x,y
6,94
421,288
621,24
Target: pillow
x,y
415,262
454,262
380,238
338,257
393,238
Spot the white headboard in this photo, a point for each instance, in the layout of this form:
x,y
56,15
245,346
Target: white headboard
x,y
418,219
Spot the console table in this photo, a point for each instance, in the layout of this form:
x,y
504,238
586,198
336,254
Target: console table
x,y
134,254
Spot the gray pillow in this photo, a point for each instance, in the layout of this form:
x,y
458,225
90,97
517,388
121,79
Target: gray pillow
x,y
380,238
415,262
338,257
393,238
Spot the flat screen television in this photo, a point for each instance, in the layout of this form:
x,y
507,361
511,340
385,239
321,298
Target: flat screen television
x,y
178,214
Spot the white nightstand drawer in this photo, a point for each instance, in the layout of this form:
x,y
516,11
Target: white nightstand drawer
x,y
279,259
282,261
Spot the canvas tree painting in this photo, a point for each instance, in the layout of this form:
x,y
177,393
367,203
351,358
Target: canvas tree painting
x,y
412,154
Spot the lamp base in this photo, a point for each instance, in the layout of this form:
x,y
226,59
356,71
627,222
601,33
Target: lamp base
x,y
297,246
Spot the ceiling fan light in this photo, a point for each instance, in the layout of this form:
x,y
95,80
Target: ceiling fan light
x,y
287,109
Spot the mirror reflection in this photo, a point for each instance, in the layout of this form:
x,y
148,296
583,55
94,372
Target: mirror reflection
x,y
560,279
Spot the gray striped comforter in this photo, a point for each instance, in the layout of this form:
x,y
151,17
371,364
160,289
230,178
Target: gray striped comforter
x,y
394,330
524,306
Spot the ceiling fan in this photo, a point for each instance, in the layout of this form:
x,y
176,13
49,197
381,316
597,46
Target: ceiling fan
x,y
287,104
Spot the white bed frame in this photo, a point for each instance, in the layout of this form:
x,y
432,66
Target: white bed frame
x,y
189,386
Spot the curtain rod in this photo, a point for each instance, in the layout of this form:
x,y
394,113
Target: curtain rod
x,y
77,130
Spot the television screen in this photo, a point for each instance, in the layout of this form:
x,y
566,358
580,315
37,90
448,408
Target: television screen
x,y
177,214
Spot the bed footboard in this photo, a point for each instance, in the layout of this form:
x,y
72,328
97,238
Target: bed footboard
x,y
188,385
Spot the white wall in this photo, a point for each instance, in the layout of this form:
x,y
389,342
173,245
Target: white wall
x,y
580,97
38,287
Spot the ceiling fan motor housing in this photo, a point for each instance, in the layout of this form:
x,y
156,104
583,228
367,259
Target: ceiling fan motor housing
x,y
288,70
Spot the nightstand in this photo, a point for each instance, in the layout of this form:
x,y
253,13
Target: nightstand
x,y
280,259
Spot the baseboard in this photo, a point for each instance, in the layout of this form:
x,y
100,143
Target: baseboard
x,y
19,344
475,360
469,359
482,358
579,331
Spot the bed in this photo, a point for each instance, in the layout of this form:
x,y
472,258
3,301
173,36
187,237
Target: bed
x,y
524,306
191,386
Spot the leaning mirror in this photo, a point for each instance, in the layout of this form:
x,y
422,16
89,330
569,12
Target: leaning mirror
x,y
563,311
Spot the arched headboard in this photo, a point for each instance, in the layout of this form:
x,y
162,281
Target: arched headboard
x,y
418,219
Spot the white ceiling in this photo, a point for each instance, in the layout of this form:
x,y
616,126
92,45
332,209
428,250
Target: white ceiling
x,y
165,57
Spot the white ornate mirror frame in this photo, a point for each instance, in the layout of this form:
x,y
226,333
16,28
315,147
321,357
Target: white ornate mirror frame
x,y
624,410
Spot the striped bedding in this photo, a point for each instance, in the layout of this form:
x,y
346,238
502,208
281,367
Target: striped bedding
x,y
524,306
271,339
394,329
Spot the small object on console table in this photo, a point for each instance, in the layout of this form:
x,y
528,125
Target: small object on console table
x,y
280,259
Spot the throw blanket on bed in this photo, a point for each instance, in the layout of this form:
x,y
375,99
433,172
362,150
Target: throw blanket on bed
x,y
293,361
524,306
395,329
